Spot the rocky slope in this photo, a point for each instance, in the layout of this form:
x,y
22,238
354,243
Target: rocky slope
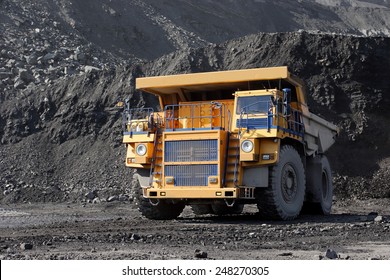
x,y
46,40
67,136
62,73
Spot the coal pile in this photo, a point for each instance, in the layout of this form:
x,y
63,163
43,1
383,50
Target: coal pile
x,y
37,47
60,132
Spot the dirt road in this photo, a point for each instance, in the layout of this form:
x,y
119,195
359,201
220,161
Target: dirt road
x,y
117,231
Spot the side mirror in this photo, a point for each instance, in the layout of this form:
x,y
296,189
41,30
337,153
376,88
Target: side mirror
x,y
273,100
286,101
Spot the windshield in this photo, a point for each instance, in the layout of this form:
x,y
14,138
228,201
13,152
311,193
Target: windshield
x,y
253,104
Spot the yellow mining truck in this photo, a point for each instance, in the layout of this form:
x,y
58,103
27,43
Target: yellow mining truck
x,y
228,138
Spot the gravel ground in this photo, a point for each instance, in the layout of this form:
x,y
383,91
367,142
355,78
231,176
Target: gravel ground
x,y
355,230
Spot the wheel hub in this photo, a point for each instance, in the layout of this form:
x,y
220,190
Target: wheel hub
x,y
289,183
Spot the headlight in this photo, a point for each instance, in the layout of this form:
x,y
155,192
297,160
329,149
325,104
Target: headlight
x,y
141,150
247,146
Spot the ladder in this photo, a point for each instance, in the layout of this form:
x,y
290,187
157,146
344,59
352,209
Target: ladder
x,y
156,165
232,162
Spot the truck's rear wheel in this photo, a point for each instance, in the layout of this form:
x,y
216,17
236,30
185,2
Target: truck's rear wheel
x,y
325,205
283,198
222,209
324,194
163,210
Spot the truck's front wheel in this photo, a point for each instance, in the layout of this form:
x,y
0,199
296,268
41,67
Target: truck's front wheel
x,y
163,210
283,198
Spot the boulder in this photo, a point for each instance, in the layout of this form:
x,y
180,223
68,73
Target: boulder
x,y
200,254
331,254
112,198
378,219
91,69
26,246
26,76
19,84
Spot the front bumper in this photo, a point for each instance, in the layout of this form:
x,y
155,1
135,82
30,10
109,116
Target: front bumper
x,y
191,193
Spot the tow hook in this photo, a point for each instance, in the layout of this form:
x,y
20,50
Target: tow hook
x,y
230,202
154,202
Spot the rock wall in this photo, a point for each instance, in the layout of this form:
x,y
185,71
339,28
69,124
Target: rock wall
x,y
64,64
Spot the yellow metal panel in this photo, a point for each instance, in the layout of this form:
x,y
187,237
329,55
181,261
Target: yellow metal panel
x,y
186,119
143,160
249,157
135,165
130,151
137,138
267,146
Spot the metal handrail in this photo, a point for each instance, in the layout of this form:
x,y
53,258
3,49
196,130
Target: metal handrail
x,y
172,115
296,124
143,115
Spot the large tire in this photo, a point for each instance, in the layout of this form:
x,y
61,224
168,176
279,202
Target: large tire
x,y
222,209
324,192
164,210
202,209
283,198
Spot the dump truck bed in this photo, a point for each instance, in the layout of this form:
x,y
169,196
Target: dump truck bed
x,y
234,79
319,133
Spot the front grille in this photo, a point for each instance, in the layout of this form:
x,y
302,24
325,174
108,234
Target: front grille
x,y
191,175
191,150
